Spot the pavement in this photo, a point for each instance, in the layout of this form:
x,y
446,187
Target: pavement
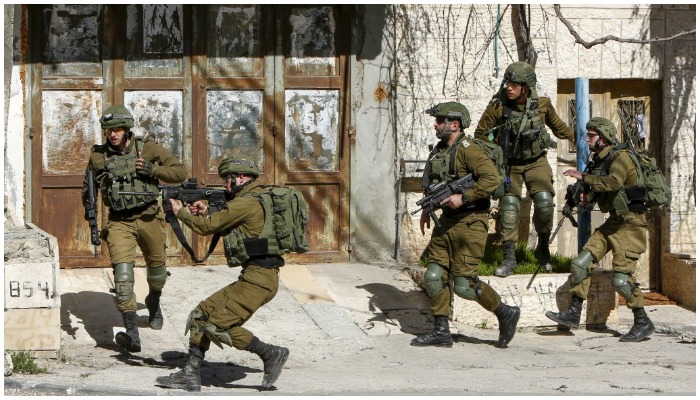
x,y
348,329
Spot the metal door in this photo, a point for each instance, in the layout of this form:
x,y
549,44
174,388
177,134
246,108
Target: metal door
x,y
209,82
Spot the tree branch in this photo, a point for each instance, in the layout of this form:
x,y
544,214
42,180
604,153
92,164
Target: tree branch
x,y
588,45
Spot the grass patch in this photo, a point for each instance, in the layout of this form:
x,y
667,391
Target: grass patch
x,y
527,263
23,363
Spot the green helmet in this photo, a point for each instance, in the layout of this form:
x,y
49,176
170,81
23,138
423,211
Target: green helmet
x,y
521,72
451,109
117,117
241,165
604,127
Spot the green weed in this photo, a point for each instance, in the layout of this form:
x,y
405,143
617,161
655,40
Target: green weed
x,y
23,363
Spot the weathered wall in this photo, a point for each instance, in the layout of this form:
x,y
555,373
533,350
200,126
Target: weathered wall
x,y
373,169
456,60
14,135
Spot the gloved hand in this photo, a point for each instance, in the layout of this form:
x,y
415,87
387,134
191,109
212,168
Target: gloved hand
x,y
145,167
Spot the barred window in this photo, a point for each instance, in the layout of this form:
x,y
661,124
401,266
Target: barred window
x,y
633,123
572,122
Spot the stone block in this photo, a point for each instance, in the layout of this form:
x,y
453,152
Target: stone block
x,y
549,292
30,285
33,329
678,280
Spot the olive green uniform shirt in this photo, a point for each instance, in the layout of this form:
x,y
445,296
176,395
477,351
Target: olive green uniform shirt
x,y
493,116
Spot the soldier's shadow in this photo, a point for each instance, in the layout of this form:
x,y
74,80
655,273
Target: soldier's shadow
x,y
410,310
214,374
460,338
97,314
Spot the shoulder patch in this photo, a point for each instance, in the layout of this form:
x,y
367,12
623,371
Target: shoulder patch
x,y
465,143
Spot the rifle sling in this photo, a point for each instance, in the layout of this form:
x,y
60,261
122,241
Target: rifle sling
x,y
175,224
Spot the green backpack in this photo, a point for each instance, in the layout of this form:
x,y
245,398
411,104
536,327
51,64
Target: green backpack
x,y
286,218
495,153
649,177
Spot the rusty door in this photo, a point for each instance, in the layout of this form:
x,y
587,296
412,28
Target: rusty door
x,y
270,83
207,82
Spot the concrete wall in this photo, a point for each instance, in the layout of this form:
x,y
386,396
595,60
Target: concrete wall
x,y
14,137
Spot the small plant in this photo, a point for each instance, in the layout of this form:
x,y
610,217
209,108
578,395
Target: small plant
x,y
484,324
527,262
23,363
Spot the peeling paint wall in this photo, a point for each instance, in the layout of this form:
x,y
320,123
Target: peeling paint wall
x,y
158,113
14,133
311,130
234,126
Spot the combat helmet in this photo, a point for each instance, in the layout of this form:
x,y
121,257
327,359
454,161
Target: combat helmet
x,y
451,109
241,165
117,117
604,127
521,72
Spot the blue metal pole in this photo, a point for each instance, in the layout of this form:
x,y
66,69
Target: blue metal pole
x,y
583,114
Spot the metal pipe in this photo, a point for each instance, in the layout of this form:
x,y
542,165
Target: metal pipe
x,y
583,114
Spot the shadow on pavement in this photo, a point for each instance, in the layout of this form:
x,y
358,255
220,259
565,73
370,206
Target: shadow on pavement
x,y
392,306
96,312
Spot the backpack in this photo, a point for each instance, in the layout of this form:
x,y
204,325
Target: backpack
x,y
495,153
286,218
649,177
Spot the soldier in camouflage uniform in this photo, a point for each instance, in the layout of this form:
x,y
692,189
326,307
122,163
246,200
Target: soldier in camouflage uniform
x,y
611,180
518,112
128,163
221,316
457,246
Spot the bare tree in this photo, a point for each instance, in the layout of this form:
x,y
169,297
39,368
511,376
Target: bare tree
x,y
588,45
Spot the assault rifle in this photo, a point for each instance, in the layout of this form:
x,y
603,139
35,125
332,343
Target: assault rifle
x,y
188,193
91,211
571,201
438,192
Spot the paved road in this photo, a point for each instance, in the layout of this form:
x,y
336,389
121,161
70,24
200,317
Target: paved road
x,y
348,327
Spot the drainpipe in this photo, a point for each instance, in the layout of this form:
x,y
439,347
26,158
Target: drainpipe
x,y
495,39
583,114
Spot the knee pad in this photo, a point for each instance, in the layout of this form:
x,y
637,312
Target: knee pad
x,y
543,203
466,288
123,280
509,209
579,266
433,279
156,277
620,282
198,322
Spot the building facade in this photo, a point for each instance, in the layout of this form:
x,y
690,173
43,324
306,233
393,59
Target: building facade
x,y
331,100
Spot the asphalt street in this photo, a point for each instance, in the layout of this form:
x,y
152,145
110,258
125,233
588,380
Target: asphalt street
x,y
348,328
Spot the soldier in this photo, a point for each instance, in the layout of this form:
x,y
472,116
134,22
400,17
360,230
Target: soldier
x,y
221,316
457,246
517,111
128,163
611,180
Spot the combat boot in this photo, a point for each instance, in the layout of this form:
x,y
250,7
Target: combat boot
x,y
188,377
641,329
570,317
440,335
130,339
542,251
508,317
273,358
509,263
155,317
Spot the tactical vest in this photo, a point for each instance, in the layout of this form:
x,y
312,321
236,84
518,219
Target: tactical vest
x,y
618,202
441,167
527,132
120,176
